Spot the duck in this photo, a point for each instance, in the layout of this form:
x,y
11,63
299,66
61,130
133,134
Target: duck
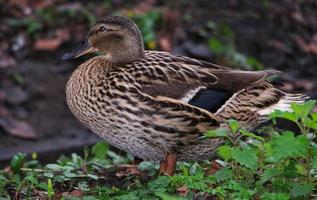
x,y
157,105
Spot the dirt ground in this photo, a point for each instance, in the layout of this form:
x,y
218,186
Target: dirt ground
x,y
282,35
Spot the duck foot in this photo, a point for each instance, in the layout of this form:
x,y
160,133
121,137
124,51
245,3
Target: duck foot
x,y
168,166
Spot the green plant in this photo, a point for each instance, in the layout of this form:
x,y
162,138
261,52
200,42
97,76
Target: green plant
x,y
282,166
148,24
223,45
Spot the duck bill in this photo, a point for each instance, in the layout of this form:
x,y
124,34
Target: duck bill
x,y
82,48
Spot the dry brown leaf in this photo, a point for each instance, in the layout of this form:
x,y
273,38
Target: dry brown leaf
x,y
279,45
15,95
6,60
7,169
48,44
165,44
3,111
17,128
214,168
307,85
182,191
77,193
307,47
126,170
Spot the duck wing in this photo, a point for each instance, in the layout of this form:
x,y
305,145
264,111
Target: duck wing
x,y
198,83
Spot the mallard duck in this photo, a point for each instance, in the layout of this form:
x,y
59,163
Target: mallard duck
x,y
156,105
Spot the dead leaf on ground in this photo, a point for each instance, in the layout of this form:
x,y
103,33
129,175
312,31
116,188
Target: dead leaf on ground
x,y
307,85
214,168
17,128
126,170
7,169
77,193
51,44
15,95
279,45
307,47
47,44
165,44
3,111
182,191
6,60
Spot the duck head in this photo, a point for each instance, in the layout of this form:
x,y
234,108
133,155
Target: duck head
x,y
118,38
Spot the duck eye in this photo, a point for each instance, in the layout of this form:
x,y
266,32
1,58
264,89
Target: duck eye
x,y
102,29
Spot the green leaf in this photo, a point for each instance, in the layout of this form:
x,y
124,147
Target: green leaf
x,y
220,132
269,174
17,162
286,145
223,174
314,116
100,150
314,162
246,157
284,115
225,152
54,167
302,110
32,180
89,198
216,45
251,135
160,184
310,123
234,125
275,196
254,63
165,196
301,190
50,190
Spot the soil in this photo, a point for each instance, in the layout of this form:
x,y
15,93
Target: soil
x,y
276,34
45,110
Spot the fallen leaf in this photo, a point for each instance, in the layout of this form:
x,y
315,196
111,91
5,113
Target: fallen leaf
x,y
7,169
47,44
307,85
279,45
40,4
6,60
3,111
182,191
2,95
17,128
165,44
307,47
15,95
63,34
126,170
77,193
214,168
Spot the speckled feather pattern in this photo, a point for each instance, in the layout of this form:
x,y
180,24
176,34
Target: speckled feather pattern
x,y
140,108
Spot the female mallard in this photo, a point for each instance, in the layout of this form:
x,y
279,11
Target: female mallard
x,y
157,105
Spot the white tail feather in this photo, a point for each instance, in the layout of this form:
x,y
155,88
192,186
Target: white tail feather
x,y
284,104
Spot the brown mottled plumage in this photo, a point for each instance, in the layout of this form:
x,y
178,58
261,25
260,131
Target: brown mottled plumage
x,y
155,104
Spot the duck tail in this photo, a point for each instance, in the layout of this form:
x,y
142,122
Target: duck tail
x,y
252,106
284,103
